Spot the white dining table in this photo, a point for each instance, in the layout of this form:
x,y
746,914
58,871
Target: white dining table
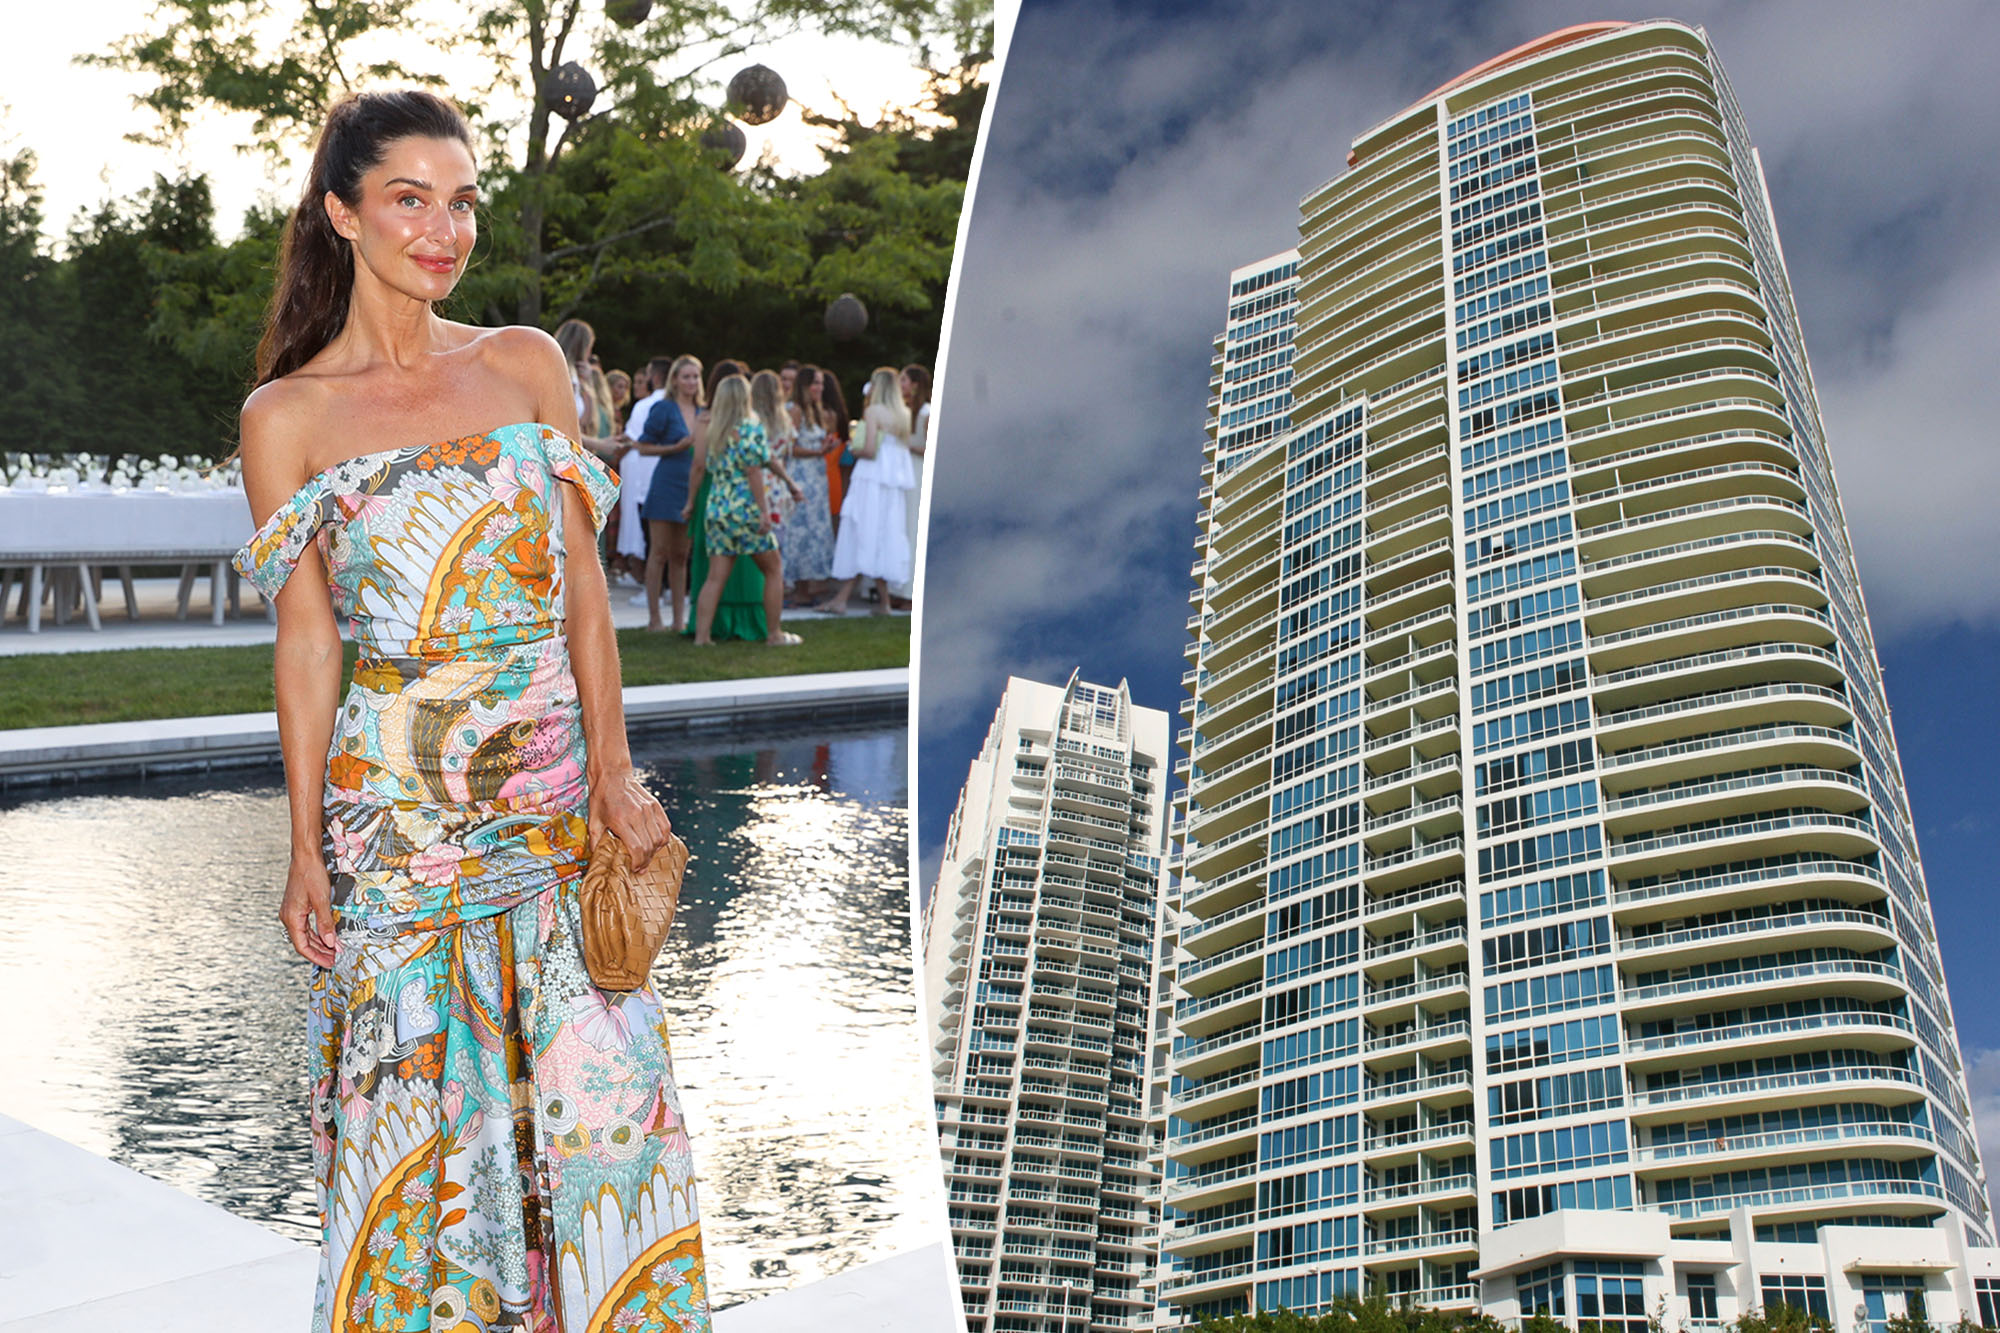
x,y
58,530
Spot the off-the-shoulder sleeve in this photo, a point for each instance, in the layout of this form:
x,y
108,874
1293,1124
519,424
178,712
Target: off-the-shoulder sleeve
x,y
270,556
578,467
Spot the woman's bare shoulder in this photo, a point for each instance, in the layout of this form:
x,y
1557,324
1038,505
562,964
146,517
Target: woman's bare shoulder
x,y
275,433
518,348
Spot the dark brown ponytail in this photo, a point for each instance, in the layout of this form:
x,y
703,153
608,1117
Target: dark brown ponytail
x,y
315,262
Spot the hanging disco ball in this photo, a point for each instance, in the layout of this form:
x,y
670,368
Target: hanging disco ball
x,y
628,13
569,90
725,139
846,317
758,93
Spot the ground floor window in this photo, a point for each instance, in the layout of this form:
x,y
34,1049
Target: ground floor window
x,y
1802,1291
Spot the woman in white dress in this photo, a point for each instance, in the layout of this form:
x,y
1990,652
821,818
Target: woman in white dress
x,y
874,539
915,383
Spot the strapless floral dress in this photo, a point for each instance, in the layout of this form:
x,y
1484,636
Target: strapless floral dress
x,y
498,1145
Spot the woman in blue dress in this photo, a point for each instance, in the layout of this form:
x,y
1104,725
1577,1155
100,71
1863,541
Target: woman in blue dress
x,y
669,433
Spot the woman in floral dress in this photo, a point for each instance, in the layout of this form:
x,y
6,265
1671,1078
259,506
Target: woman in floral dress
x,y
498,1145
736,522
806,539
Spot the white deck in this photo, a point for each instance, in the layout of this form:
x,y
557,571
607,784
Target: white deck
x,y
87,1246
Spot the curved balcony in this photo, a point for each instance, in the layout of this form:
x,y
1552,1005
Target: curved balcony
x,y
1231,816
1891,1139
1910,1198
1673,640
1640,278
1403,601
1671,474
1699,556
1682,598
1402,283
1749,885
1423,702
1629,692
1636,333
1728,412
1390,488
1239,886
1386,543
1790,744
1252,672
1733,796
1858,978
1386,211
1249,637
1743,838
1863,932
1218,749
1701,714
1838,1083
1863,1030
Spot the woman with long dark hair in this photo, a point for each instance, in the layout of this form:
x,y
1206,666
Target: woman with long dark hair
x,y
496,1142
806,539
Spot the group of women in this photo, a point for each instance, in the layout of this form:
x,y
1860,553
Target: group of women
x,y
742,494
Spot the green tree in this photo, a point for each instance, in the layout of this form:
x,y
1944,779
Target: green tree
x,y
39,386
549,243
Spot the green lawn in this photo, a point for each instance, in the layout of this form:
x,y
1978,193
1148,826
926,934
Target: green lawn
x,y
56,689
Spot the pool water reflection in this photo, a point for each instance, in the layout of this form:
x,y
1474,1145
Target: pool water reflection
x,y
154,1013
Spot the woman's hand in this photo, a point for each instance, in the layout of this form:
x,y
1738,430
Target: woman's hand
x,y
798,492
687,512
307,911
622,804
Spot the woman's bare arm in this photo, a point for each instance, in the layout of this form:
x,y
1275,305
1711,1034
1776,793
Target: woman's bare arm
x,y
306,675
699,469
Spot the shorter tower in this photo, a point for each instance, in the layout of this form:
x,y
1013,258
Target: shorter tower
x,y
1039,986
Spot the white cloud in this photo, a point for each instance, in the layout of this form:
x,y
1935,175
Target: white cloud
x,y
1133,163
1982,1077
1912,435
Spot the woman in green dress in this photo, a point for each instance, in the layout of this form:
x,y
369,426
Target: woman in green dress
x,y
736,514
740,611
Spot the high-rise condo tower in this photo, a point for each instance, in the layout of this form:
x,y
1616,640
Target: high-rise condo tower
x,y
1551,931
1039,948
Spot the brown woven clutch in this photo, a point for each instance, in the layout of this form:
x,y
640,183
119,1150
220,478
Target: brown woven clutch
x,y
626,913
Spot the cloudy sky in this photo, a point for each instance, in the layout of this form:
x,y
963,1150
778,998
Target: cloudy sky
x,y
1140,151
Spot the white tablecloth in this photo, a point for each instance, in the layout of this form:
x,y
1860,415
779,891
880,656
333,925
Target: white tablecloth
x,y
108,525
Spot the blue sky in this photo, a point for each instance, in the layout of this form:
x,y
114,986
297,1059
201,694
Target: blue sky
x,y
1138,152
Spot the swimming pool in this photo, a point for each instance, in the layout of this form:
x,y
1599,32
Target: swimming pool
x,y
155,1013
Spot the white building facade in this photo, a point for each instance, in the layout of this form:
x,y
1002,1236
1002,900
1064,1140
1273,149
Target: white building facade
x,y
1039,973
1548,925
